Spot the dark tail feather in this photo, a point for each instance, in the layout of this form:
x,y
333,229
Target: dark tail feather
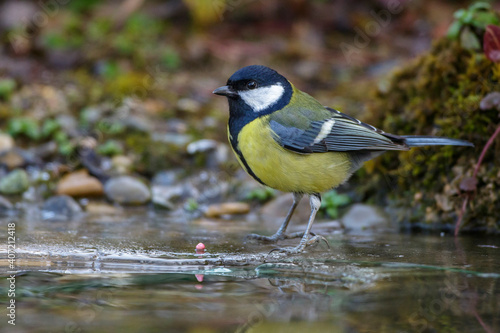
x,y
419,141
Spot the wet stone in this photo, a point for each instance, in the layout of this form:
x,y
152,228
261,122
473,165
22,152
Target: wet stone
x,y
11,159
127,190
167,196
60,207
274,212
68,124
45,150
100,209
17,158
78,184
174,139
16,13
15,182
227,208
5,204
362,217
6,142
167,177
214,152
121,164
203,145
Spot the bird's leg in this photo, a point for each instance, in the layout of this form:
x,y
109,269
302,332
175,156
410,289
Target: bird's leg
x,y
281,231
280,234
315,201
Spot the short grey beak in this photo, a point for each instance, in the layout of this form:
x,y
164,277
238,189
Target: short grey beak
x,y
225,91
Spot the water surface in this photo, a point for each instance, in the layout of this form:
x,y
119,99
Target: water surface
x,y
139,273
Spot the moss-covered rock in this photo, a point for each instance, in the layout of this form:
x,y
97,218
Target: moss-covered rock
x,y
439,93
15,182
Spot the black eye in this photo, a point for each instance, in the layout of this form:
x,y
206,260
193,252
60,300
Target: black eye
x,y
252,84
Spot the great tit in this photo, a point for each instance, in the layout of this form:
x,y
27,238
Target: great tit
x,y
287,140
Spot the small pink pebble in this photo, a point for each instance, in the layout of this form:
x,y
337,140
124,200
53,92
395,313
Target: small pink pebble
x,y
200,246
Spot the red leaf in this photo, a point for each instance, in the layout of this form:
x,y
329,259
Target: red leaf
x,y
492,42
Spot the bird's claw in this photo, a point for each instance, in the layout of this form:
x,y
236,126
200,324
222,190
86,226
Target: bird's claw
x,y
299,248
317,239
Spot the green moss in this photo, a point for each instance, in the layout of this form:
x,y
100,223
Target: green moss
x,y
23,126
261,194
331,203
110,127
67,34
129,84
153,156
438,94
82,5
477,16
49,127
15,182
170,58
191,205
7,87
110,148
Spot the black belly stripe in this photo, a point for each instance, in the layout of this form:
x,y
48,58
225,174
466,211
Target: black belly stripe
x,y
235,125
245,164
234,129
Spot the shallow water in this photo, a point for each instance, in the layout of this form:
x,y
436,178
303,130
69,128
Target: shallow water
x,y
140,273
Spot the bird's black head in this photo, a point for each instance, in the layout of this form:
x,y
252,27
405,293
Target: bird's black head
x,y
254,91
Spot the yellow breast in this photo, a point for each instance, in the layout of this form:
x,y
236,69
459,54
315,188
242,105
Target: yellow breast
x,y
288,171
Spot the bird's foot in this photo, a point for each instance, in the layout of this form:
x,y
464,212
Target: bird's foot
x,y
266,239
277,237
302,245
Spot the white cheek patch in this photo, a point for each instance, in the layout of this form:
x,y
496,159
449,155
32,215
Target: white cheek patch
x,y
261,98
326,128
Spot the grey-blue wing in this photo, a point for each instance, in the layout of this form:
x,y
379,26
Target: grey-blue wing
x,y
336,132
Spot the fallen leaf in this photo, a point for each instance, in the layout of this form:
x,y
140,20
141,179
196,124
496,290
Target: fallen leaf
x,y
491,43
490,101
468,184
